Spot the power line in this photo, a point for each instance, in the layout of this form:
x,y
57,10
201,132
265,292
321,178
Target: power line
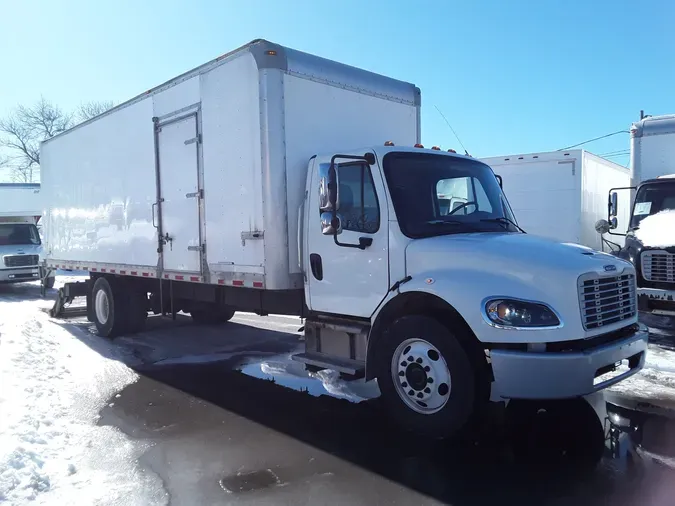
x,y
453,130
618,152
596,139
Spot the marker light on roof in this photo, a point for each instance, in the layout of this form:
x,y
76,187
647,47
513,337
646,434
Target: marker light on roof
x,y
419,146
435,148
451,151
389,143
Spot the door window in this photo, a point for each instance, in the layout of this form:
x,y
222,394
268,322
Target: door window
x,y
358,200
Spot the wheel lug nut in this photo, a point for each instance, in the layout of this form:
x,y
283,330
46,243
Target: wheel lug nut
x,y
411,392
419,360
404,385
427,390
404,363
430,380
427,368
419,395
410,359
401,373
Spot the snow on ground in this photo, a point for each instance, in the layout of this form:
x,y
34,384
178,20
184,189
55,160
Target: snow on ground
x,y
52,386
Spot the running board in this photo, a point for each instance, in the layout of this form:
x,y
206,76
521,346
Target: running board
x,y
356,368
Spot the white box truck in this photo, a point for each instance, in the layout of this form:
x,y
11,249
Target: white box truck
x,y
247,185
644,213
20,241
561,194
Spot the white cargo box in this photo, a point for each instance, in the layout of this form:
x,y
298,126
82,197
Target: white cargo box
x,y
561,194
20,202
215,162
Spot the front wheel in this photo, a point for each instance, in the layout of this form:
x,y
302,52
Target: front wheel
x,y
108,307
425,376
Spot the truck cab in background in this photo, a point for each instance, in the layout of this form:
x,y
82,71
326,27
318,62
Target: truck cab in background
x,y
650,232
20,241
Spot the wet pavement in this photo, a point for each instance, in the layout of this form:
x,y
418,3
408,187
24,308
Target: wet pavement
x,y
232,420
227,429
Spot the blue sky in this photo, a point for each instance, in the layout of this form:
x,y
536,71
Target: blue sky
x,y
511,76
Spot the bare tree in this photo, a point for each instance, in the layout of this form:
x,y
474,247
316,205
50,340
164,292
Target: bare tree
x,y
22,131
92,109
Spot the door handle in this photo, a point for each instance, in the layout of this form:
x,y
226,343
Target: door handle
x,y
153,213
316,265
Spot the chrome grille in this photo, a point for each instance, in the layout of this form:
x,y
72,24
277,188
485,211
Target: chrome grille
x,y
658,266
605,300
21,260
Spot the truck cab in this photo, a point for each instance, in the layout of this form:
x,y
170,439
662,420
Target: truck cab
x,y
20,241
650,242
451,305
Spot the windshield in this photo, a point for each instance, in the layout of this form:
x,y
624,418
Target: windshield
x,y
437,195
18,233
652,199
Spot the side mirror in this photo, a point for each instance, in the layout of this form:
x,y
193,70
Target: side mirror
x,y
331,224
329,199
602,226
500,181
613,204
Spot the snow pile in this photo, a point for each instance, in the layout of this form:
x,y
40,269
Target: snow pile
x,y
52,386
658,230
655,382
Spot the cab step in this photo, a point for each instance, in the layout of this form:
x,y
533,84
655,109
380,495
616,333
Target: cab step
x,y
349,367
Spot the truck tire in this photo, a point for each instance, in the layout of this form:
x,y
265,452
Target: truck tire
x,y
136,311
211,316
426,378
108,307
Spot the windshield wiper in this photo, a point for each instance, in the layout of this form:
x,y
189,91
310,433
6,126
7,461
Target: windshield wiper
x,y
504,221
470,226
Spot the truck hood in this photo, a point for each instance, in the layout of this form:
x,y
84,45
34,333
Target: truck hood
x,y
19,249
527,257
465,270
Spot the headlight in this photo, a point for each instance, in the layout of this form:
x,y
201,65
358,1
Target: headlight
x,y
520,314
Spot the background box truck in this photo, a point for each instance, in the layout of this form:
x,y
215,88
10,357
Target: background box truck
x,y
20,241
250,186
561,194
649,228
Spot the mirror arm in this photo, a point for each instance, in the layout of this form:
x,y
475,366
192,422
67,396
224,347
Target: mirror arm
x,y
364,242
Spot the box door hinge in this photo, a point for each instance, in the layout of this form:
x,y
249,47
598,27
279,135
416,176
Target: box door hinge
x,y
198,194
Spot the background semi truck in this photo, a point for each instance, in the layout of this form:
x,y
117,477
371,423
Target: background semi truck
x,y
254,190
20,241
562,194
649,229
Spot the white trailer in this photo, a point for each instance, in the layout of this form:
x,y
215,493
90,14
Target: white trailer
x,y
20,241
561,194
241,185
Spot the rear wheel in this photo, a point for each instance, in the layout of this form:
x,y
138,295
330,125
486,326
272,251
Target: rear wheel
x,y
108,308
211,315
426,378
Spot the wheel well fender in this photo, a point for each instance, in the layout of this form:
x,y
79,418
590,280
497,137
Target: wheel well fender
x,y
420,303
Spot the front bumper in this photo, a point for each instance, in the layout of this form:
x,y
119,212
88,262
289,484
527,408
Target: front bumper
x,y
560,375
20,274
656,300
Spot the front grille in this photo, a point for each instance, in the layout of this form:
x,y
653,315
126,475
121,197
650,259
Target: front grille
x,y
658,266
21,260
605,300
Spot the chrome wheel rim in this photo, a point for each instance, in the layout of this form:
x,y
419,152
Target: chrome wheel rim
x,y
421,376
102,307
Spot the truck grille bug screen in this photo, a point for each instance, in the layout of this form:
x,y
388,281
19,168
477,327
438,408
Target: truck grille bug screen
x,y
21,260
658,266
606,300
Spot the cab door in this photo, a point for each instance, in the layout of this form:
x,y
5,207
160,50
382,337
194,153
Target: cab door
x,y
341,277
